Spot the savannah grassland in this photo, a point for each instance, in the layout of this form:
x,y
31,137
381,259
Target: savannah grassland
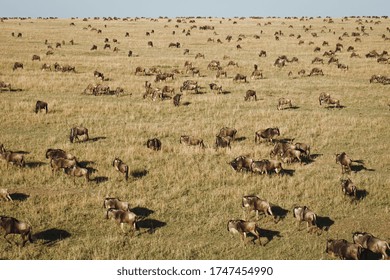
x,y
189,194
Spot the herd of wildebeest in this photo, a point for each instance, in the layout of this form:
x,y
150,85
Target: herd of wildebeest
x,y
283,152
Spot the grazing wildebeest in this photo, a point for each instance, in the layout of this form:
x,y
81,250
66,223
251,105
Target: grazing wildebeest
x,y
254,203
348,187
272,166
316,72
372,243
123,217
191,141
239,78
215,88
250,94
116,203
174,45
284,101
12,157
62,163
36,57
176,99
268,134
140,69
332,101
77,171
17,65
58,153
263,53
343,249
323,97
4,85
41,105
304,214
243,227
154,144
227,131
222,142
45,67
14,226
4,195
241,163
93,48
78,131
345,162
213,65
189,85
121,167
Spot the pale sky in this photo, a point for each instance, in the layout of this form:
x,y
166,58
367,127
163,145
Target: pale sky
x,y
173,8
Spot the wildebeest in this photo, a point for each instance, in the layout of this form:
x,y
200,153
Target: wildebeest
x,y
343,249
36,57
304,148
292,154
4,195
174,45
227,131
316,72
62,163
284,101
190,85
121,167
268,134
154,144
17,65
122,217
241,163
14,226
98,74
46,67
58,153
191,141
281,147
250,94
271,165
243,227
41,105
323,97
78,131
4,85
254,203
239,78
77,171
348,187
372,243
150,44
222,142
304,214
176,99
116,203
12,157
93,48
345,162
215,88
256,74
331,101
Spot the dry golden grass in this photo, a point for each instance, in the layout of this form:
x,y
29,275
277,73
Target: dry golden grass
x,y
192,193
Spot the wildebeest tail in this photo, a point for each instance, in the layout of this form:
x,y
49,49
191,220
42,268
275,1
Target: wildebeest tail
x,y
127,173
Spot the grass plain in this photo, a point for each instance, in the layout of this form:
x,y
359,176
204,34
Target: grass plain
x,y
189,194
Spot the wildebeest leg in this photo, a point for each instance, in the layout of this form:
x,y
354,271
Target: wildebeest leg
x,y
122,227
5,237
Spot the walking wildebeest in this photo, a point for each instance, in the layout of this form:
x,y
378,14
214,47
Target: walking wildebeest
x,y
77,171
284,101
250,94
123,217
243,227
12,157
17,65
304,148
176,99
241,163
266,166
343,249
36,57
348,187
154,144
239,78
62,163
78,131
116,203
191,141
58,153
345,162
254,203
316,72
13,226
40,105
304,214
268,133
222,142
331,101
372,243
290,155
5,195
281,147
121,167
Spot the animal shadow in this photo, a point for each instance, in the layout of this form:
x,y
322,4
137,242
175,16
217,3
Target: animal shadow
x,y
358,165
142,211
100,179
324,223
240,139
151,225
51,236
311,158
84,163
288,172
369,255
139,173
226,92
279,212
186,103
95,139
35,164
361,194
19,196
269,234
335,107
